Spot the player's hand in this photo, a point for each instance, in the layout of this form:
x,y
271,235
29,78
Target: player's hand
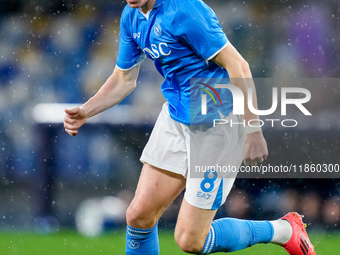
x,y
74,119
255,149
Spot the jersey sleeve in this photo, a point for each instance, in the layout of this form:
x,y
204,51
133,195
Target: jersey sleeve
x,y
197,24
129,54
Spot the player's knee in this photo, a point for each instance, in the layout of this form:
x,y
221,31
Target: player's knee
x,y
138,217
188,242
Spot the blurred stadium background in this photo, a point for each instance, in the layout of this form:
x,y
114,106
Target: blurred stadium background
x,y
62,51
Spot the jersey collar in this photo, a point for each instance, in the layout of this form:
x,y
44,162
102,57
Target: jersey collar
x,y
157,4
155,7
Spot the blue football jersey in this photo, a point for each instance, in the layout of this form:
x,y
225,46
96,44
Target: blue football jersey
x,y
181,37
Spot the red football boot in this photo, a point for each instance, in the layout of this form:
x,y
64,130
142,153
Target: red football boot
x,y
299,243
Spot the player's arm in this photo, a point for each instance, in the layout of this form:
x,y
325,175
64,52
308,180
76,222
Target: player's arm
x,y
255,148
115,89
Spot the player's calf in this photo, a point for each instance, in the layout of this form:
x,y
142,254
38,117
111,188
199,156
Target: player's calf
x,y
192,228
188,241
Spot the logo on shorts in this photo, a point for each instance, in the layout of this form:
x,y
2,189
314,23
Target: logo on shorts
x,y
133,245
157,29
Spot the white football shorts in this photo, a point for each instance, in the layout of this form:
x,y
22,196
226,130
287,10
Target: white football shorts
x,y
208,157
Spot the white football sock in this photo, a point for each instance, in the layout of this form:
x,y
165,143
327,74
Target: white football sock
x,y
282,231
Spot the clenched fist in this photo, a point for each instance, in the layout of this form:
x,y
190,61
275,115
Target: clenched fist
x,y
74,119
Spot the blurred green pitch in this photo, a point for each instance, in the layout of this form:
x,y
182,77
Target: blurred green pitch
x,y
70,242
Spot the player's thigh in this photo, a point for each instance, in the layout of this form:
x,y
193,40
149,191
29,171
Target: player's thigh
x,y
155,191
215,156
193,226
